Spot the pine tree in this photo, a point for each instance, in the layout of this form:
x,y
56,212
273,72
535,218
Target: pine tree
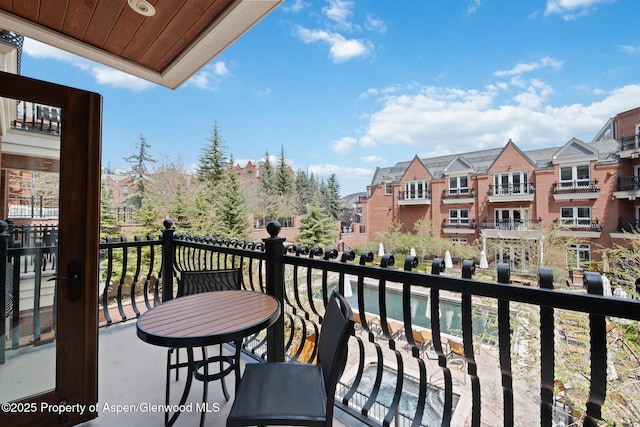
x,y
231,220
333,196
180,210
267,175
283,180
316,227
212,161
304,190
139,171
108,217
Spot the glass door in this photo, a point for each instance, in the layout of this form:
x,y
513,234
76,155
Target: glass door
x,y
50,171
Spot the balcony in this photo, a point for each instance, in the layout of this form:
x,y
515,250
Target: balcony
x,y
580,227
511,193
388,365
630,147
628,228
511,228
459,226
414,197
576,190
458,196
627,188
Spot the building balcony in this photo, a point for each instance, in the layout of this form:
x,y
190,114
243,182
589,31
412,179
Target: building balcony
x,y
627,188
459,196
511,193
511,228
580,227
441,343
629,147
628,228
414,198
576,190
459,226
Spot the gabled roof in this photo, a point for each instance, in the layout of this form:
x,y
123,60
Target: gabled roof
x,y
511,144
458,165
416,160
166,48
574,150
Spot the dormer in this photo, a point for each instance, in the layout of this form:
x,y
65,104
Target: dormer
x,y
573,163
457,174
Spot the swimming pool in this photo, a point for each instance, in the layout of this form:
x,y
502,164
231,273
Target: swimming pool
x,y
409,399
484,321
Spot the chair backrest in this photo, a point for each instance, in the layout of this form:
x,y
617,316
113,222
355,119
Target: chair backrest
x,y
196,282
337,327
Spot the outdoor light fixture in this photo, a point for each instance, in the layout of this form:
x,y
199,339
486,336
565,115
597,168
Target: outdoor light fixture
x,y
143,7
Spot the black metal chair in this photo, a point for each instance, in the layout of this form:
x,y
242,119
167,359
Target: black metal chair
x,y
293,393
195,282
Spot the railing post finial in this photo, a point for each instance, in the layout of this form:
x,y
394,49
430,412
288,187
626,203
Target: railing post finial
x,y
273,228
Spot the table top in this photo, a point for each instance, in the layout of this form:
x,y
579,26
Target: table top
x,y
208,318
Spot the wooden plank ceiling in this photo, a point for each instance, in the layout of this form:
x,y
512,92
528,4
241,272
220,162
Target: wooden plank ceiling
x,y
156,43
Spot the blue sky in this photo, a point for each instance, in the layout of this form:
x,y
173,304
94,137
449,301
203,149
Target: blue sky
x,y
346,86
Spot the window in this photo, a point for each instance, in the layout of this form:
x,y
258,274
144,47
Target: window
x,y
511,219
574,176
511,183
249,175
578,256
458,185
576,217
459,217
388,188
459,240
416,190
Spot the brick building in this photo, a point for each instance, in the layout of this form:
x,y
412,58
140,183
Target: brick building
x,y
506,193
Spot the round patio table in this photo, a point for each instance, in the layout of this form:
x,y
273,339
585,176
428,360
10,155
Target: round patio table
x,y
206,319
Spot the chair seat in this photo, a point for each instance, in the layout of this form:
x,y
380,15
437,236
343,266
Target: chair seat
x,y
282,393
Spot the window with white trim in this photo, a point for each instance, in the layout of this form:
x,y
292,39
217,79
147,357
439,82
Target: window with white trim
x,y
388,187
510,219
578,256
416,190
458,184
511,183
459,217
576,216
574,176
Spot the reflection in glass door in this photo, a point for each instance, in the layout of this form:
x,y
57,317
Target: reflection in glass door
x,y
30,210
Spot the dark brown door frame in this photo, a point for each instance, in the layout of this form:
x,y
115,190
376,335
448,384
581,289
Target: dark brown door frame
x,y
77,331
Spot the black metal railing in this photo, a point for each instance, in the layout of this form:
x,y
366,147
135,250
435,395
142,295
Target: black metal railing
x,y
34,117
628,183
33,207
578,224
629,142
576,187
511,224
512,189
459,223
414,195
466,193
490,319
629,225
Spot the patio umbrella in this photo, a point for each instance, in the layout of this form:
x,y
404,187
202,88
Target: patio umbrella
x,y
413,252
483,255
605,263
448,262
380,250
348,292
606,286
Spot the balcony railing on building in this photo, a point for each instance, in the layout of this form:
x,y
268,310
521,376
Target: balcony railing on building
x,y
630,142
395,307
459,226
628,183
631,225
511,224
34,117
577,189
33,207
414,197
458,195
578,224
511,192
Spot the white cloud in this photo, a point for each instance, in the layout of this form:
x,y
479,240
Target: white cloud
x,y
374,24
473,6
101,74
344,145
629,49
294,6
340,48
339,11
210,76
572,9
446,121
527,67
371,159
345,173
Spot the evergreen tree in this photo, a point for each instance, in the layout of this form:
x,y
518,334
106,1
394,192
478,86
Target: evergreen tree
x,y
333,196
267,176
212,161
283,180
203,218
180,210
108,216
149,216
304,190
231,220
139,171
316,227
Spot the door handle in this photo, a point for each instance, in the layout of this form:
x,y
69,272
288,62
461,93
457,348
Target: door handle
x,y
74,273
